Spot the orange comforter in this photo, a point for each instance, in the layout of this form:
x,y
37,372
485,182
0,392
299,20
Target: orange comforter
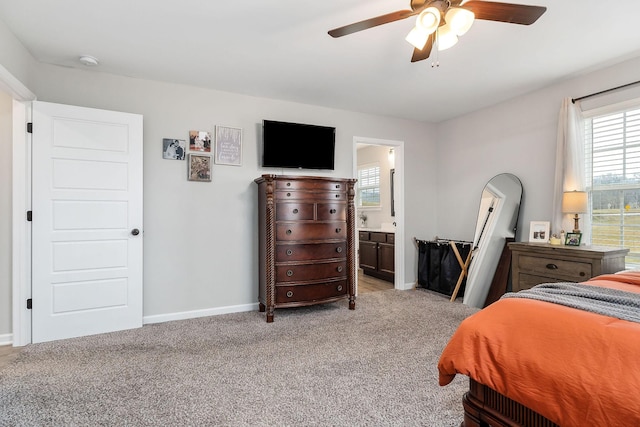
x,y
574,367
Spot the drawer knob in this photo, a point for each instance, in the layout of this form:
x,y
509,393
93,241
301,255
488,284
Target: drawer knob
x,y
289,252
552,266
289,273
337,196
332,211
289,231
288,194
582,273
339,249
288,184
338,230
337,185
289,294
295,211
339,287
339,269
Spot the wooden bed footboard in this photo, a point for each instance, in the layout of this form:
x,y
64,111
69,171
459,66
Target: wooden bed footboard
x,y
485,407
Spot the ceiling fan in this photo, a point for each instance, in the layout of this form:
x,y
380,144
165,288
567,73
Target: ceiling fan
x,y
442,21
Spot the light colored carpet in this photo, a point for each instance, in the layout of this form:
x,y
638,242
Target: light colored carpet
x,y
323,365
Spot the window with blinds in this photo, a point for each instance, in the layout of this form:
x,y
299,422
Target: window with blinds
x,y
612,151
368,194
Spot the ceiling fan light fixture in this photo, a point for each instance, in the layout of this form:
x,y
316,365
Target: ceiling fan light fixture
x,y
417,37
460,20
429,19
446,37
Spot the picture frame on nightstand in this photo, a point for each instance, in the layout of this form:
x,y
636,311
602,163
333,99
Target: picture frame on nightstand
x,y
573,239
539,231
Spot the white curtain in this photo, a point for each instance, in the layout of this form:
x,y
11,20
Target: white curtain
x,y
570,168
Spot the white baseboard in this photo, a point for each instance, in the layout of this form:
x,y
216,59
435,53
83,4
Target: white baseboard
x,y
6,339
159,318
408,286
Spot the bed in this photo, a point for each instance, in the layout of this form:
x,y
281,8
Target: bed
x,y
539,363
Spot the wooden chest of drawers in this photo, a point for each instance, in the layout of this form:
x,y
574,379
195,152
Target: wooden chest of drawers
x,y
535,263
307,240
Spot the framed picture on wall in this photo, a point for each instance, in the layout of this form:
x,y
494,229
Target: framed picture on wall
x,y
539,231
199,167
228,146
200,140
173,149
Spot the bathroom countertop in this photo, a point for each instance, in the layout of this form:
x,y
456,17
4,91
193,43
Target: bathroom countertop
x,y
380,229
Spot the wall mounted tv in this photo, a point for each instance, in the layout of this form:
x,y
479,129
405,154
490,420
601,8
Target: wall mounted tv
x,y
297,145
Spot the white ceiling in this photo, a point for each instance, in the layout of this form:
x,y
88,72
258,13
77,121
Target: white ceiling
x,y
280,49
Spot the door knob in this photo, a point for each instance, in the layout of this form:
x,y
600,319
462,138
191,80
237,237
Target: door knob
x,y
135,231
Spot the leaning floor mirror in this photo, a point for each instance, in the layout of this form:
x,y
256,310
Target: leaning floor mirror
x,y
497,221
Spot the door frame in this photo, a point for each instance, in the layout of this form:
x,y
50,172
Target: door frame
x,y
20,204
399,255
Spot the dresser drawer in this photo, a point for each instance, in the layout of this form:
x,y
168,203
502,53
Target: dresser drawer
x,y
573,271
313,185
309,272
311,251
528,281
311,231
310,195
314,292
331,212
294,211
378,237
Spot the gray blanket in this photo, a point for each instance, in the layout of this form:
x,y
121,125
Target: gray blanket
x,y
608,302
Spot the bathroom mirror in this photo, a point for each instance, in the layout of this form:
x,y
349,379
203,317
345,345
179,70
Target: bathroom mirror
x,y
497,221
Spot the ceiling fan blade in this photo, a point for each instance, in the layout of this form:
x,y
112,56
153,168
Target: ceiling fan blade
x,y
505,12
372,22
419,55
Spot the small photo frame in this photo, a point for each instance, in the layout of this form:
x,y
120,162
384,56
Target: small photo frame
x,y
539,231
200,140
173,149
228,146
573,239
199,167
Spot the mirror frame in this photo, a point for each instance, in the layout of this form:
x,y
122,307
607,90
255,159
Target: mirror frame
x,y
497,222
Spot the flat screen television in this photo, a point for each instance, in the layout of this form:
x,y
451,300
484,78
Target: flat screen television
x,y
297,145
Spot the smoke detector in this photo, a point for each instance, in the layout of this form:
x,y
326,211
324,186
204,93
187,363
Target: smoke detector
x,y
88,60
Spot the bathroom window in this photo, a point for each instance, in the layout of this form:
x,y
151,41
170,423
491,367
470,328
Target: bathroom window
x,y
368,194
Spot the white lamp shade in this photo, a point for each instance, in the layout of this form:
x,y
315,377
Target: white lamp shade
x,y
575,202
417,37
429,19
460,20
446,38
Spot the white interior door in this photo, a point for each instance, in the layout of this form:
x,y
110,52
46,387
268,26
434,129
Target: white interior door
x,y
87,221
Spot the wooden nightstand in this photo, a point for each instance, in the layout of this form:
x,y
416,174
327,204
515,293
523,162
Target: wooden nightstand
x,y
535,263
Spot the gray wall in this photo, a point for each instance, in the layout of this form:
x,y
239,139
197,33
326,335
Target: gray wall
x,y
14,57
200,248
518,136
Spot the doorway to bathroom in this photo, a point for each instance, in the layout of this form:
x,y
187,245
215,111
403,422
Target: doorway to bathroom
x,y
378,165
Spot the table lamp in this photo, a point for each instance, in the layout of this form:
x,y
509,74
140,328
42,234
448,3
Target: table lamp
x,y
575,202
